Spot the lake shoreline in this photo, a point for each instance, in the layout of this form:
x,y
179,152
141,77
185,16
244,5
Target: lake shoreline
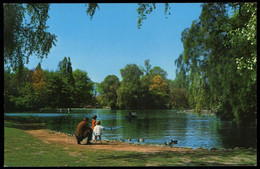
x,y
185,127
65,110
46,148
203,111
122,145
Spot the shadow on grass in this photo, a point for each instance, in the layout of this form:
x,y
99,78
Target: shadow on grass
x,y
97,144
196,158
23,124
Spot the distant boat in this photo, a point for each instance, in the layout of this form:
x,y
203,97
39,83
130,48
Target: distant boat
x,y
99,106
88,106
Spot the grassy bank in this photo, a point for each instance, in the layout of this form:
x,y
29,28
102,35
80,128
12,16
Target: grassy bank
x,y
24,150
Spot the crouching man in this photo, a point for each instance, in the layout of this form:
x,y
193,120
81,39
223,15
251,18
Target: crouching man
x,y
83,131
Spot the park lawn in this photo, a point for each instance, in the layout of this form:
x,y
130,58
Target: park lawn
x,y
24,150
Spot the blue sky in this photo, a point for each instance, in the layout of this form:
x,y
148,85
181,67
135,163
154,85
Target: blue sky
x,y
111,40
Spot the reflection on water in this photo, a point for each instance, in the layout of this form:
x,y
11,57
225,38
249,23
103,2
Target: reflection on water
x,y
155,126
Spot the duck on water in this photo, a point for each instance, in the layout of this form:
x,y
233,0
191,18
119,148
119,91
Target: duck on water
x,y
131,115
171,143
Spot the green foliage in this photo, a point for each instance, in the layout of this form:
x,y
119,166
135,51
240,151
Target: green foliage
x,y
54,85
67,88
34,89
158,71
27,99
145,9
218,64
92,9
83,88
177,95
145,91
25,32
109,88
128,93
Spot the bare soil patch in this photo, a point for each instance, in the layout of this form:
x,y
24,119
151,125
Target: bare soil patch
x,y
49,137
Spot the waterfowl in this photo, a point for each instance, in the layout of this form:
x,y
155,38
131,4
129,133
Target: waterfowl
x,y
141,140
171,143
131,115
167,144
174,141
129,139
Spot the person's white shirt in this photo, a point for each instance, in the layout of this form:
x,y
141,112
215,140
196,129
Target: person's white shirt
x,y
97,129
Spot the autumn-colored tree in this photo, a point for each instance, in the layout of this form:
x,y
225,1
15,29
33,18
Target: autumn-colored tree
x,y
158,84
38,79
39,83
159,92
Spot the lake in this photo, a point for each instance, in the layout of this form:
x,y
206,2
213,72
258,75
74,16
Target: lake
x,y
155,126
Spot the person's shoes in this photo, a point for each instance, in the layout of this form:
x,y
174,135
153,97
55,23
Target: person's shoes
x,y
88,143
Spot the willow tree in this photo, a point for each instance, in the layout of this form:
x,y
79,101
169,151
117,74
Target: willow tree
x,y
143,10
213,54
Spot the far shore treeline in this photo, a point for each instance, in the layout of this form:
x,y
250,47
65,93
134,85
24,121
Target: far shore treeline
x,y
142,87
216,70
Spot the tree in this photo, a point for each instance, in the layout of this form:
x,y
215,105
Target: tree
x,y
27,99
143,10
83,88
65,70
10,90
38,78
158,84
23,38
158,71
16,86
109,88
177,95
39,83
146,80
129,93
37,88
214,50
159,90
54,87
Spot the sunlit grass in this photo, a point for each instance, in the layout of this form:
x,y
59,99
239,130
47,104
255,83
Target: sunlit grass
x,y
24,150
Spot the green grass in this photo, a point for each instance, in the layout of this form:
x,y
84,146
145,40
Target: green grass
x,y
23,150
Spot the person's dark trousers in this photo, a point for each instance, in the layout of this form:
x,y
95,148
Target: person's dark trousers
x,y
87,135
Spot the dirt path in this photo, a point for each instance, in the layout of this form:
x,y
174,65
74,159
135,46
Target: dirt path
x,y
49,136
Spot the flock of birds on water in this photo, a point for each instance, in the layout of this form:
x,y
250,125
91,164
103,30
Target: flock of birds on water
x,y
140,140
133,115
165,143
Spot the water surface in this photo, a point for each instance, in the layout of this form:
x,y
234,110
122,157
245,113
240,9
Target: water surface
x,y
155,126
